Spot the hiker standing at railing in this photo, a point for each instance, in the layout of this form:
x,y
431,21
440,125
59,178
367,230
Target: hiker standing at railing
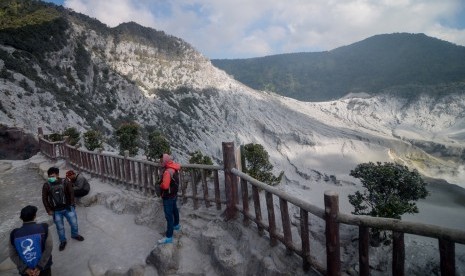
x,y
169,192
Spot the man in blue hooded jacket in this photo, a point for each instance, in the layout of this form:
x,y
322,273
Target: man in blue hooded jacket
x,y
31,246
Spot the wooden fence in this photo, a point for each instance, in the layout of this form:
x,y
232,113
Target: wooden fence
x,y
141,175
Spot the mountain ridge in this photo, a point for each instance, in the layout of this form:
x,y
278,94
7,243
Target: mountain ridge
x,y
371,65
99,79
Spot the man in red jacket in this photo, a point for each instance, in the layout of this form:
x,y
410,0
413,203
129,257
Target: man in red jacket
x,y
169,193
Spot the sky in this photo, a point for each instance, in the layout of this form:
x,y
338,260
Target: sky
x,y
226,29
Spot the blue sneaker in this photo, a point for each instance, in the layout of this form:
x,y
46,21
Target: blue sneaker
x,y
165,240
177,227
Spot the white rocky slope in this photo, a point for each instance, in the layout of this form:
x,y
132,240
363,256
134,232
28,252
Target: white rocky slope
x,y
198,106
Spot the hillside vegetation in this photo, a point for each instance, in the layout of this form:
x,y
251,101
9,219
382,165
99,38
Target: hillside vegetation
x,y
63,69
371,65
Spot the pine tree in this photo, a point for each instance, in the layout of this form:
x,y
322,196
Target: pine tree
x,y
128,137
258,166
93,139
158,144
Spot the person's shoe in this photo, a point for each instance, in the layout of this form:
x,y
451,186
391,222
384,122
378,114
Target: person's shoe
x,y
177,227
78,238
165,240
62,246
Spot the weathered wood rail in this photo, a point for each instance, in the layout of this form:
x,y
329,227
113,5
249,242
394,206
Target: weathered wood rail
x,y
141,175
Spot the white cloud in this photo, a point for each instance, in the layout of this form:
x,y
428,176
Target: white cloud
x,y
113,13
232,29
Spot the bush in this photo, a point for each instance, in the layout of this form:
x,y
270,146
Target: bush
x,y
158,144
73,135
197,157
55,137
93,139
258,166
391,190
127,136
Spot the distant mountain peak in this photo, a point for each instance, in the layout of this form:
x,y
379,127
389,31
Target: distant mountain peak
x,y
372,65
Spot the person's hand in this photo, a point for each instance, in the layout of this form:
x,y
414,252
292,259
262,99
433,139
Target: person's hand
x,y
36,272
50,213
30,272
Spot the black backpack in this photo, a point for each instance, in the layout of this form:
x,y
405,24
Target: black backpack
x,y
174,186
57,197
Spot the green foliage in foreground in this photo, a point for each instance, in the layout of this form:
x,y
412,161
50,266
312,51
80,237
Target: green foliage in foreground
x,y
258,166
391,190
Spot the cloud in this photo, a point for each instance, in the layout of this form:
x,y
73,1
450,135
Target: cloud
x,y
242,28
113,13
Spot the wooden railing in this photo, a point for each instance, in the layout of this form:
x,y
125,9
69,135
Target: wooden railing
x,y
447,237
141,175
138,174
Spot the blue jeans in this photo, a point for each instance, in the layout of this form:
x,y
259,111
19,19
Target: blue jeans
x,y
171,215
71,217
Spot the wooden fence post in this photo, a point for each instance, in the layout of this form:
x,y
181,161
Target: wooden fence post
x,y
398,254
244,189
205,187
447,257
127,169
64,150
40,135
217,190
363,247
230,180
286,225
101,161
333,254
271,218
305,237
194,190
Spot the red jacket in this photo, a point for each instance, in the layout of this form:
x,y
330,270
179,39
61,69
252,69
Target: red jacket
x,y
169,168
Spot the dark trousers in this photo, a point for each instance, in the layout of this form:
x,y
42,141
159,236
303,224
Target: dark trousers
x,y
80,193
45,272
171,215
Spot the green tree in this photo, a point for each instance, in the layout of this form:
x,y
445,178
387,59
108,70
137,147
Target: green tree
x,y
158,144
55,137
391,190
73,135
258,166
197,157
127,136
93,139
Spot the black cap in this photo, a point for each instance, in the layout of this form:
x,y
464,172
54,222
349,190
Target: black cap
x,y
28,213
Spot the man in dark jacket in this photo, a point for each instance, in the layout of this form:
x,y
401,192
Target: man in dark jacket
x,y
169,193
58,199
31,246
81,186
